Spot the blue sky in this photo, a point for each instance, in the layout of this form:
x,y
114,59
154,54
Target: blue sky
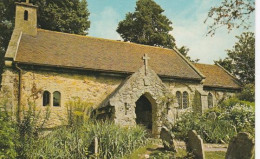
x,y
188,27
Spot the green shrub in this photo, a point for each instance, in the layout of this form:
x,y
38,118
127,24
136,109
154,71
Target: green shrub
x,y
232,116
7,133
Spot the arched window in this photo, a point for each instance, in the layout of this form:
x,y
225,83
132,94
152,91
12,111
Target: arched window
x,y
179,99
46,98
25,15
56,98
210,100
185,100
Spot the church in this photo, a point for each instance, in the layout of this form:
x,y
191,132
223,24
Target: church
x,y
126,83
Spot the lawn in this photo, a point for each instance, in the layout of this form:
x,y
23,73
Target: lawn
x,y
157,152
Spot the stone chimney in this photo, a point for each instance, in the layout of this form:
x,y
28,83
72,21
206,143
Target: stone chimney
x,y
26,18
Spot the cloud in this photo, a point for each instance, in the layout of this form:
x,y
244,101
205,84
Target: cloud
x,y
191,32
104,24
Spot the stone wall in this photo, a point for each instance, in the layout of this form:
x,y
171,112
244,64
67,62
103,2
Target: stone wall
x,y
93,88
90,88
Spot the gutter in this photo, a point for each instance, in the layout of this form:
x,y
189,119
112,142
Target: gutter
x,y
19,93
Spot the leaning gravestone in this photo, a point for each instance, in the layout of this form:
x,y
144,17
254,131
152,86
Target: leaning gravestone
x,y
168,139
195,145
241,147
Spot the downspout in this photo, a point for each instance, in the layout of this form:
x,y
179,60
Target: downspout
x,y
19,92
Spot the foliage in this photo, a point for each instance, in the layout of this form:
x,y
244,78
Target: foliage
x,y
247,93
231,14
114,141
147,25
184,51
29,128
241,59
78,111
232,116
8,134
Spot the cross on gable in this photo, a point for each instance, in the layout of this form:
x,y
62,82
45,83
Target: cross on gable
x,y
146,58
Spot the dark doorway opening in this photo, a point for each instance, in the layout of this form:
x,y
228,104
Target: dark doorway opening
x,y
143,111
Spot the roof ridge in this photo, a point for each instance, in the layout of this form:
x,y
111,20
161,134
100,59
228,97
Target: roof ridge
x,y
92,37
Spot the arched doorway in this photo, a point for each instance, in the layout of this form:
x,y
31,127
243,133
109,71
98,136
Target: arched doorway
x,y
143,111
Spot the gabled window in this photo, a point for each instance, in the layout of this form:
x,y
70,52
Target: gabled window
x,y
210,100
185,100
56,98
179,99
25,15
46,98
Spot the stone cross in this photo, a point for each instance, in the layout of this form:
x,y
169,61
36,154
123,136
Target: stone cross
x,y
146,58
27,1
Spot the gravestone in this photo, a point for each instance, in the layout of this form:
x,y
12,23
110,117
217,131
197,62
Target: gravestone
x,y
241,146
195,145
168,139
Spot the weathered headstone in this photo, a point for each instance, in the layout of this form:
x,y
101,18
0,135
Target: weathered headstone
x,y
168,139
241,147
195,145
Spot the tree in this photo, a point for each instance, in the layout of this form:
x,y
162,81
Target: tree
x,y
241,59
231,14
184,51
147,25
70,16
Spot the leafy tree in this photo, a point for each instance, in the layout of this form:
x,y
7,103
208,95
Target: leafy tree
x,y
70,16
147,25
231,14
184,51
241,59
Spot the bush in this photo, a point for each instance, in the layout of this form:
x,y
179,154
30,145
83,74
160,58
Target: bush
x,y
247,93
7,133
232,116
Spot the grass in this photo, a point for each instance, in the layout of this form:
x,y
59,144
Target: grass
x,y
215,154
156,153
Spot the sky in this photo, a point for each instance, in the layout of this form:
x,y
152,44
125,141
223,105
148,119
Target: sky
x,y
188,25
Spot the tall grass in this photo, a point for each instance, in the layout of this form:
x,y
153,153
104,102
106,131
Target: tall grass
x,y
67,142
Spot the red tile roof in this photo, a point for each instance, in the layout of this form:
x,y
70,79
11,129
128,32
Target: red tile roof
x,y
75,51
217,77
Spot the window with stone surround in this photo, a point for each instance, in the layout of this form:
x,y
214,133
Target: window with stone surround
x,y
56,98
185,100
210,100
25,15
179,99
46,98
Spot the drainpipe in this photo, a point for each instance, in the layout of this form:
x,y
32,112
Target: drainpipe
x,y
19,92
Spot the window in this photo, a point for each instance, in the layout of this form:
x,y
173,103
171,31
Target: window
x,y
56,98
185,100
46,98
179,99
25,15
210,100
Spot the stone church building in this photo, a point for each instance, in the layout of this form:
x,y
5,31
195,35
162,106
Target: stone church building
x,y
127,83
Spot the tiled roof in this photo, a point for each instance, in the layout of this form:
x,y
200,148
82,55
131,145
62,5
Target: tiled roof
x,y
84,52
217,76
